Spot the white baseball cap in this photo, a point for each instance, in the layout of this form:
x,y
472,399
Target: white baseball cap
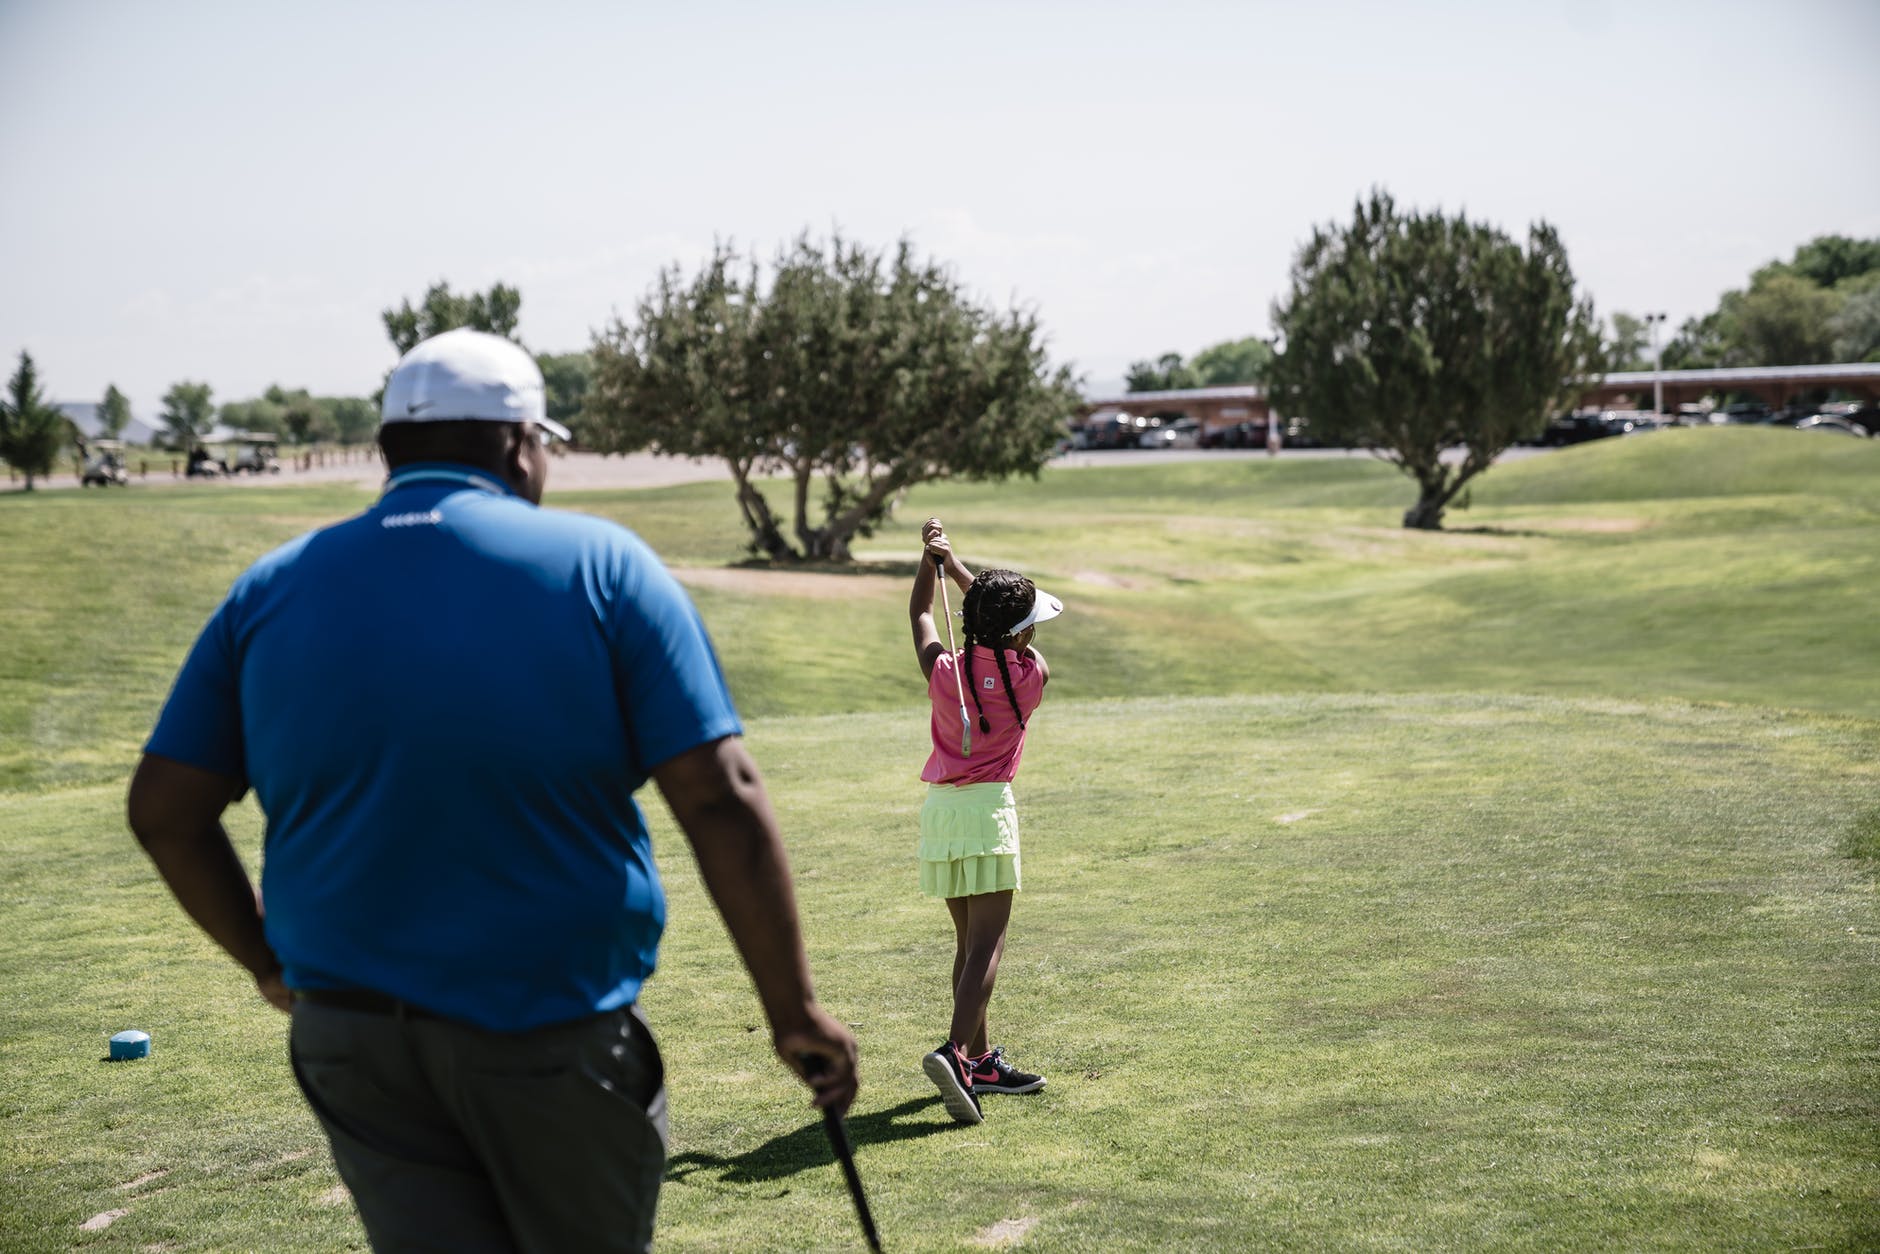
x,y
465,375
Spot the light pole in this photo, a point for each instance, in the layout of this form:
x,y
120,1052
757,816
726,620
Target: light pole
x,y
1658,372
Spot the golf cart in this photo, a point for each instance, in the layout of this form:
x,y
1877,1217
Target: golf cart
x,y
257,456
105,465
202,466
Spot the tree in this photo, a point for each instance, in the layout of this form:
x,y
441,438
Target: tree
x,y
855,374
1628,346
1829,260
1699,344
1232,361
263,414
443,310
189,413
353,418
1165,374
1411,333
31,431
566,378
1857,326
114,413
1782,320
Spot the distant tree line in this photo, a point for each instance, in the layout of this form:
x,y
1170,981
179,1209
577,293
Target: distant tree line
x,y
1821,305
1231,361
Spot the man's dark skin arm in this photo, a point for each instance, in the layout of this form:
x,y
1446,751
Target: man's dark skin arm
x,y
718,798
176,815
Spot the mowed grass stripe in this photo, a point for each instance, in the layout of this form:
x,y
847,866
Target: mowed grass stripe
x,y
1308,972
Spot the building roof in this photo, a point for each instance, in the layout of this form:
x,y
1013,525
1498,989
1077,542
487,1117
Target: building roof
x,y
1230,392
1852,370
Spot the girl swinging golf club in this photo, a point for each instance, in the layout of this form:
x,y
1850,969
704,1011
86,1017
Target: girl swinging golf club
x,y
969,822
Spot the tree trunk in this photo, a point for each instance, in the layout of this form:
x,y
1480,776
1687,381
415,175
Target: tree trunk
x,y
765,534
1427,513
831,541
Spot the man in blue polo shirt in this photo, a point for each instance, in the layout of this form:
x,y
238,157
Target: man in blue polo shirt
x,y
444,707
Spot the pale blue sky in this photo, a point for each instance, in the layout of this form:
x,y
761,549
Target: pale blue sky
x,y
233,191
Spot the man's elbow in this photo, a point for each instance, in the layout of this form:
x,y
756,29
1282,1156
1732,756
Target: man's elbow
x,y
168,802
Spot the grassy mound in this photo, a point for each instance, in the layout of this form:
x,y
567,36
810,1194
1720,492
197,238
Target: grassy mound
x,y
1694,462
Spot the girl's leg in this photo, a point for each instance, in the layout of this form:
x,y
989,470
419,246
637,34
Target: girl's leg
x,y
980,923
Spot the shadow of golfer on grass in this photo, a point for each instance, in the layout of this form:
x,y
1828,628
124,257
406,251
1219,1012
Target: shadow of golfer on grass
x,y
807,1147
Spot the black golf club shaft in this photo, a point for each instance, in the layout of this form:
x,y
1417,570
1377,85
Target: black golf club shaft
x,y
838,1130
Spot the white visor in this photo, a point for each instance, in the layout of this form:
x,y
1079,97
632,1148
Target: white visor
x,y
1044,608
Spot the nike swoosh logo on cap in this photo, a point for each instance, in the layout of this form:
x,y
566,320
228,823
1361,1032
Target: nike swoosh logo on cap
x,y
415,406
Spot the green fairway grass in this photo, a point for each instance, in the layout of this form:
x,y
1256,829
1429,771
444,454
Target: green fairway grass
x,y
1511,888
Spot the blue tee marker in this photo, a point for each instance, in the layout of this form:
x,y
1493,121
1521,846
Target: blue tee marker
x,y
126,1046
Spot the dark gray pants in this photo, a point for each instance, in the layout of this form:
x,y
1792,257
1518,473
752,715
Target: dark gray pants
x,y
456,1139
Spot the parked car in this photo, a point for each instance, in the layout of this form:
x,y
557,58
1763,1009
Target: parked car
x,y
1111,430
1182,433
1240,435
1867,416
1297,433
1574,429
1840,426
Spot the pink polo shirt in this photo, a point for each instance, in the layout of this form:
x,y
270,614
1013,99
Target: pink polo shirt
x,y
995,754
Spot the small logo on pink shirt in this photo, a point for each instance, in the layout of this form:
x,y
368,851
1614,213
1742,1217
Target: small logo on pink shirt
x,y
986,683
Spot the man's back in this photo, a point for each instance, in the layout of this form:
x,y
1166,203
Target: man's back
x,y
444,707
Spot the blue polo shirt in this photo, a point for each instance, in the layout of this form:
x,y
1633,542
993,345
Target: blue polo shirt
x,y
444,707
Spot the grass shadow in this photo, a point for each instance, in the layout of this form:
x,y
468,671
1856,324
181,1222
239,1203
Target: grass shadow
x,y
808,1147
1520,532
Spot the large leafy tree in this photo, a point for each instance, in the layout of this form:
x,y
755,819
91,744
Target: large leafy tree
x,y
1628,346
189,413
1793,313
1232,361
441,310
854,374
114,413
31,430
1412,333
1857,326
565,379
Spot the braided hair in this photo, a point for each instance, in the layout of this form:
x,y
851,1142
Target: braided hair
x,y
997,599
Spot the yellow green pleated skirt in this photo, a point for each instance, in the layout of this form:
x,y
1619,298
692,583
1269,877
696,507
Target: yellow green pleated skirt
x,y
968,840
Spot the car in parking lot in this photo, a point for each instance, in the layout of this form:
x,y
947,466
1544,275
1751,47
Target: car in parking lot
x,y
1840,426
1239,435
1181,433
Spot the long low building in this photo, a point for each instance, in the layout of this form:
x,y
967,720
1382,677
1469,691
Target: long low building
x,y
1220,407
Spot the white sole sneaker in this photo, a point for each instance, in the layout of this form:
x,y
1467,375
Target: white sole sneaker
x,y
957,1098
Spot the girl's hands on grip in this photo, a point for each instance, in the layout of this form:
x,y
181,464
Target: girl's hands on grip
x,y
934,537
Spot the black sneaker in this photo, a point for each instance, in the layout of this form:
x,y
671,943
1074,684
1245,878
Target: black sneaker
x,y
953,1076
992,1074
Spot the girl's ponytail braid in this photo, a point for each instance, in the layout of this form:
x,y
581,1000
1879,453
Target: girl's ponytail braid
x,y
969,613
1010,695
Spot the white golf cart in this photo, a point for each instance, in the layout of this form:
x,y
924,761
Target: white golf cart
x,y
257,456
104,465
